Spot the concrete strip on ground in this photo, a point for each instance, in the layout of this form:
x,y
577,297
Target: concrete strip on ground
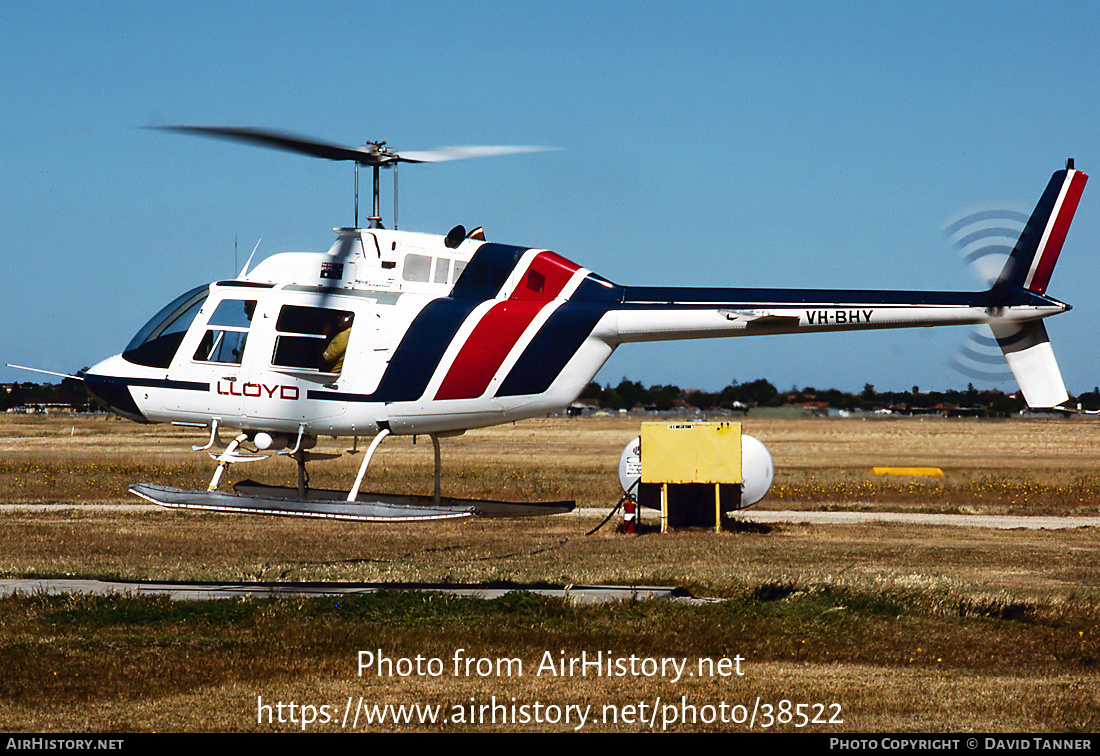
x,y
577,594
997,522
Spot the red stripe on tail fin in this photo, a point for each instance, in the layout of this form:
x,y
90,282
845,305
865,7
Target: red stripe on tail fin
x,y
1047,254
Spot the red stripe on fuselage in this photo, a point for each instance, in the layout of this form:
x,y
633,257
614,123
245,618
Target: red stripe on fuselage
x,y
546,276
1058,233
501,327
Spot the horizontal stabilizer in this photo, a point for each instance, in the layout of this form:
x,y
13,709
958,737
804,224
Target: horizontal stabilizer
x,y
1030,357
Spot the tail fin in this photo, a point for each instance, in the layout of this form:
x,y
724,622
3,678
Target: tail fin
x,y
1036,251
1026,346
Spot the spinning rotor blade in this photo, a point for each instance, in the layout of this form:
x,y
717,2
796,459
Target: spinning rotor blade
x,y
984,235
291,143
373,154
442,154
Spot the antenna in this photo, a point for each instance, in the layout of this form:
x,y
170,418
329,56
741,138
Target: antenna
x,y
244,270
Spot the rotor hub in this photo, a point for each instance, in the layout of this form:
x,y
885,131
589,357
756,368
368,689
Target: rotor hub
x,y
380,153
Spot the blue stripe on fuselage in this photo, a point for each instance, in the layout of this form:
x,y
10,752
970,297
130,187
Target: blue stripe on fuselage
x,y
554,345
487,271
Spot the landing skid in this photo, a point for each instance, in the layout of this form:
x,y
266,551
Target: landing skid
x,y
484,508
331,509
256,498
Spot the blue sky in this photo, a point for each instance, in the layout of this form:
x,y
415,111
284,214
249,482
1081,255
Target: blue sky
x,y
781,145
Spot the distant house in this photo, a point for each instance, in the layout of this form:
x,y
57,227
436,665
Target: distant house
x,y
36,407
583,407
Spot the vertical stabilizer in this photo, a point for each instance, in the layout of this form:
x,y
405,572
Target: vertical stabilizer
x,y
1036,251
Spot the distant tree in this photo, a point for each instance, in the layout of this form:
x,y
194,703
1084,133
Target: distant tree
x,y
592,391
760,393
1090,400
663,397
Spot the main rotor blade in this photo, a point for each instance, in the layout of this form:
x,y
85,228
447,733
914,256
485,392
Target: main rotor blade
x,y
366,155
289,142
470,151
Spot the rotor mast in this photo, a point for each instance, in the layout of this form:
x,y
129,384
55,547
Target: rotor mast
x,y
380,156
376,213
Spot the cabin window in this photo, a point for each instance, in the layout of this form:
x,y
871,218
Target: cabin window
x,y
536,281
312,338
225,342
235,313
417,268
479,274
156,343
222,346
442,269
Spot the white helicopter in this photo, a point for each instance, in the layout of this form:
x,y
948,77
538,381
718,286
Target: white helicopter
x,y
394,332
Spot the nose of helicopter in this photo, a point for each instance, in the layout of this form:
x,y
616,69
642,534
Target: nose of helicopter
x,y
109,386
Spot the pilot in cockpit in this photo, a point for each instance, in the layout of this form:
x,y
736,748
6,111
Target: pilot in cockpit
x,y
339,328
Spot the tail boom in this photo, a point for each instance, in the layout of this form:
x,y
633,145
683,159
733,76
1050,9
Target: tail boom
x,y
707,313
1014,307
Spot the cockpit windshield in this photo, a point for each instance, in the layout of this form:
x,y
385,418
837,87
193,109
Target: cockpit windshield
x,y
156,343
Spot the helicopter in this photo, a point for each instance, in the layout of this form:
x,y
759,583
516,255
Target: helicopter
x,y
405,333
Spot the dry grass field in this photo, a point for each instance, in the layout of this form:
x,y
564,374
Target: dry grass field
x,y
905,627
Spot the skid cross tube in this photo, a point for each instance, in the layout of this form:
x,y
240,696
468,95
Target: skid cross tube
x,y
366,461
